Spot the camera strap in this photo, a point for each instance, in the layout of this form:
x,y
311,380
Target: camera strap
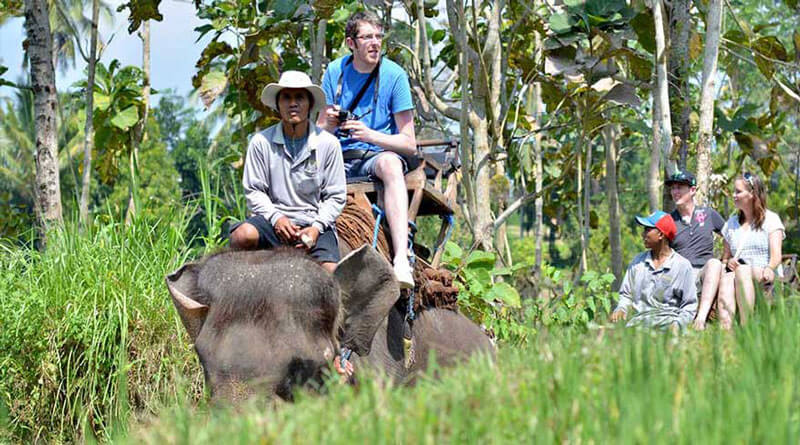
x,y
375,74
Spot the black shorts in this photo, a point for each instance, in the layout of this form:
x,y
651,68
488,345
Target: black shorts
x,y
326,250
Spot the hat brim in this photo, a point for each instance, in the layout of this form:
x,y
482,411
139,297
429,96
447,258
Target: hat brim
x,y
270,92
642,221
669,182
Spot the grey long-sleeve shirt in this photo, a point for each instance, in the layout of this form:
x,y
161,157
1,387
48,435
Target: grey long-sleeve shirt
x,y
309,188
660,297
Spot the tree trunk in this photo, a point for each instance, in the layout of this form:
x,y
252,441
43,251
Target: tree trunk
x,y
317,34
88,127
679,59
611,135
710,53
581,215
653,173
662,118
141,130
481,213
538,227
43,83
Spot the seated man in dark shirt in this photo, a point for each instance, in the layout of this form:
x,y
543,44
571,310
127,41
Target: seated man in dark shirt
x,y
695,239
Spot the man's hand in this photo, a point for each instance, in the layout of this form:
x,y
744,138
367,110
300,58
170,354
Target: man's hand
x,y
286,231
345,372
332,117
358,130
618,315
308,237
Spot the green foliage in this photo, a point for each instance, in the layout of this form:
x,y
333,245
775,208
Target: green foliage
x,y
271,42
118,107
87,331
140,11
209,169
573,304
156,181
483,296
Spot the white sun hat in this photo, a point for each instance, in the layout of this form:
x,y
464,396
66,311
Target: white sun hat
x,y
293,79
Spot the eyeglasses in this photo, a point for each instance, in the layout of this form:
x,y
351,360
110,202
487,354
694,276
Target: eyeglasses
x,y
368,37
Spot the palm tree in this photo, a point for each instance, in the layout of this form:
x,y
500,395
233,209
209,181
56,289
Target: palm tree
x,y
17,159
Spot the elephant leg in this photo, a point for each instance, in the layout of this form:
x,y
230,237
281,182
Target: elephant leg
x,y
386,352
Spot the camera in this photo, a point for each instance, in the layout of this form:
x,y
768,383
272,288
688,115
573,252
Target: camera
x,y
345,115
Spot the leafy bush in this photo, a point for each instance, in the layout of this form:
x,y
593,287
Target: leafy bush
x,y
497,305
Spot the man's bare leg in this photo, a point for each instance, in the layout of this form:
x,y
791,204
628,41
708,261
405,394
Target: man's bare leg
x,y
330,267
711,277
245,237
389,169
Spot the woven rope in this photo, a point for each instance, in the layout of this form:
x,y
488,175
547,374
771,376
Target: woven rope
x,y
434,288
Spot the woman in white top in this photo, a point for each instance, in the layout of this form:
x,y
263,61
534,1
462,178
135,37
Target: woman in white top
x,y
752,241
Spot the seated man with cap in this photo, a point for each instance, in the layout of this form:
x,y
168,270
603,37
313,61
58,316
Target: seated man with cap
x,y
658,289
293,176
694,239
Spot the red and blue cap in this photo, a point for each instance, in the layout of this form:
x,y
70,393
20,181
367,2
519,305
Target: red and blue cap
x,y
661,221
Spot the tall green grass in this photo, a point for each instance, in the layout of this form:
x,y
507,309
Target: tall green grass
x,y
600,385
88,333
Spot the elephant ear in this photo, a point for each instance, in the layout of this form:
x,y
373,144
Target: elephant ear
x,y
369,290
182,285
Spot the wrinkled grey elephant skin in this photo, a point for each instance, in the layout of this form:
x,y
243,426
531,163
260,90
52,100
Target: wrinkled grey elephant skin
x,y
265,321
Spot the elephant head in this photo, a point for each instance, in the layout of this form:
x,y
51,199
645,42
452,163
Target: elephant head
x,y
264,321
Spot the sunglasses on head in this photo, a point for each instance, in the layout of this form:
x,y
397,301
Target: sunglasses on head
x,y
749,178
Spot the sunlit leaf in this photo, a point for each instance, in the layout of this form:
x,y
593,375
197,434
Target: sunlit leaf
x,y
505,293
126,118
623,94
561,23
101,101
482,259
212,85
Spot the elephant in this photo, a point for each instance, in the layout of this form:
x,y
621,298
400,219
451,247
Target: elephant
x,y
266,321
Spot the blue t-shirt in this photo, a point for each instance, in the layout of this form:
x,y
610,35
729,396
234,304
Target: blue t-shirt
x,y
394,96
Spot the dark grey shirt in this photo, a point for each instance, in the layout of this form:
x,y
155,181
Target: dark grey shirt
x,y
695,240
658,297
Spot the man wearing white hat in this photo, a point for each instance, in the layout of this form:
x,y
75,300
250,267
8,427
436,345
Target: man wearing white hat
x,y
293,176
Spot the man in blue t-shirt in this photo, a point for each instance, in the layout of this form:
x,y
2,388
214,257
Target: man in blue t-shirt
x,y
379,130
694,239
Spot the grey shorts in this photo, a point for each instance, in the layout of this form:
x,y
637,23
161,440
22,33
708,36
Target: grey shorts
x,y
697,275
326,250
357,168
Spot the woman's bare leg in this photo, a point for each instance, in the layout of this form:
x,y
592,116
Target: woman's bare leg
x,y
745,291
726,303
